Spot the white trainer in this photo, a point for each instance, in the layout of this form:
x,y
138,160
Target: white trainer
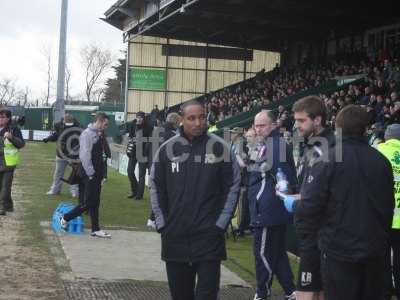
x,y
151,224
101,234
292,296
64,224
52,193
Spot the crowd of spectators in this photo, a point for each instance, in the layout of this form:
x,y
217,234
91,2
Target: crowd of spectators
x,y
378,93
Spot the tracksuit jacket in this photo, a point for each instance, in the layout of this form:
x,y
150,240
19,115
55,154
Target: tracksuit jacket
x,y
194,191
266,208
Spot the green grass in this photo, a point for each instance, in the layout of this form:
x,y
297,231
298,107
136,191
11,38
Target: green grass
x,y
33,180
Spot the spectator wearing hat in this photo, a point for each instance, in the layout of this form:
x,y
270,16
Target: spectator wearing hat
x,y
10,141
138,152
391,149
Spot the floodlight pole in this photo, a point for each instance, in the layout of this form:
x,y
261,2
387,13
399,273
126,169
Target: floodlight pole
x,y
59,106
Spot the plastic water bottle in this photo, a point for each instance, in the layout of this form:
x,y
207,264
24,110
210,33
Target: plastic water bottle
x,y
282,184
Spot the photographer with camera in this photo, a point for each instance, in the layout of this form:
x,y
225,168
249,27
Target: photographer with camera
x,y
10,142
66,134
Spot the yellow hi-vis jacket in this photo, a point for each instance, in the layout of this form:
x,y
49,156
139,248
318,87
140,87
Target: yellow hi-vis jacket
x,y
391,149
11,154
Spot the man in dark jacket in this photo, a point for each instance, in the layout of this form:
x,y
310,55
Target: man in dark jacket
x,y
267,212
91,155
138,152
10,142
310,115
195,182
350,197
66,134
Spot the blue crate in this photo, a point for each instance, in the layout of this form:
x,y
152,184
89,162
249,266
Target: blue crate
x,y
75,226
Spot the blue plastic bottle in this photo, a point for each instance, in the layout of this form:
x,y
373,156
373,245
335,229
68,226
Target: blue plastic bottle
x,y
282,184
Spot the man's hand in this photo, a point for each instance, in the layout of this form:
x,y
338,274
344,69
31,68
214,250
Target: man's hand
x,y
8,135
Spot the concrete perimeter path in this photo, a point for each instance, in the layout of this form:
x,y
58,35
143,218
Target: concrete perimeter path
x,y
127,255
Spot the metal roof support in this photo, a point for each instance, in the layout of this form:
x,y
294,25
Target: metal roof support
x,y
177,11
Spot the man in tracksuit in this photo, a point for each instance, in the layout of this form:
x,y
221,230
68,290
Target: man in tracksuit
x,y
310,116
267,212
91,152
195,182
352,208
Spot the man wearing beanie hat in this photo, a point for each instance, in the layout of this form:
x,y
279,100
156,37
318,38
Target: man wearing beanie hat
x,y
138,152
391,149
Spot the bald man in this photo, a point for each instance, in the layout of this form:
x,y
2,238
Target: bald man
x,y
268,214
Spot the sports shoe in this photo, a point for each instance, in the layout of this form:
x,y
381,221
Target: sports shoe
x,y
101,234
151,224
52,193
292,296
64,224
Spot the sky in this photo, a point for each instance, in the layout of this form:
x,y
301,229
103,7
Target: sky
x,y
28,27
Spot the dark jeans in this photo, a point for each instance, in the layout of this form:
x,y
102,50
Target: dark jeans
x,y
89,200
137,187
349,281
182,280
6,179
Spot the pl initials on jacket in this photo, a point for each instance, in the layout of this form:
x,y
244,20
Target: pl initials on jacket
x,y
194,190
391,150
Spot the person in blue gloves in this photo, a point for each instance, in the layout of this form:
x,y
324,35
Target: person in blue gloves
x,y
310,116
267,212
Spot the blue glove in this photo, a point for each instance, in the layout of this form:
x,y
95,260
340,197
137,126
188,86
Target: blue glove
x,y
288,201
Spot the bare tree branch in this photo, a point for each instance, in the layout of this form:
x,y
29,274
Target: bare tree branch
x,y
46,52
7,91
96,62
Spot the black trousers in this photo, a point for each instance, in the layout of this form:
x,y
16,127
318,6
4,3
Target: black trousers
x,y
271,259
6,179
137,187
393,267
89,200
182,280
353,281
